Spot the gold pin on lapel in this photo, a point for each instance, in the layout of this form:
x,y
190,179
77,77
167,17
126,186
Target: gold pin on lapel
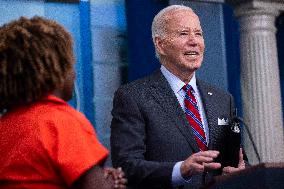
x,y
210,93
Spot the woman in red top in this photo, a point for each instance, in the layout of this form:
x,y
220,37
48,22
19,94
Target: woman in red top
x,y
44,142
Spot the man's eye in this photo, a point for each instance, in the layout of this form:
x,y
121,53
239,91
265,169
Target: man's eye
x,y
199,34
183,33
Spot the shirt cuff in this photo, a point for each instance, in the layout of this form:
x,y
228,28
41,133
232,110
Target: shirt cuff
x,y
177,178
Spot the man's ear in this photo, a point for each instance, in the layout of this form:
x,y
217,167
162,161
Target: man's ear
x,y
159,44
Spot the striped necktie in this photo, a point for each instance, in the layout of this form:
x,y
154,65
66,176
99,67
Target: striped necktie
x,y
193,117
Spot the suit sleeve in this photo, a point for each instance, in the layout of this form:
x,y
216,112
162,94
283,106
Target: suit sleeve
x,y
128,138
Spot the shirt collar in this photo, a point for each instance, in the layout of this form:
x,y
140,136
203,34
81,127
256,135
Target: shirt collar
x,y
175,83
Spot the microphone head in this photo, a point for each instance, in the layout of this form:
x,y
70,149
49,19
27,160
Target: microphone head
x,y
235,124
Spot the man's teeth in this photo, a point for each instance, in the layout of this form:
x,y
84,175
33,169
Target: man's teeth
x,y
192,53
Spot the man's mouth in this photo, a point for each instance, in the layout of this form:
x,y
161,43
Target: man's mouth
x,y
191,53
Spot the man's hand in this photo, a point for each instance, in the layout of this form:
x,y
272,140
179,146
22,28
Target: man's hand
x,y
199,162
241,165
117,175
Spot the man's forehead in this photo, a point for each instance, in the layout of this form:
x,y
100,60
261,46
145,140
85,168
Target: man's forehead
x,y
174,25
180,16
180,12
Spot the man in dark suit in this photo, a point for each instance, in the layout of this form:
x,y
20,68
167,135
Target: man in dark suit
x,y
169,129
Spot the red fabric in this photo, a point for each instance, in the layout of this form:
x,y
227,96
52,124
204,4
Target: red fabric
x,y
192,112
46,145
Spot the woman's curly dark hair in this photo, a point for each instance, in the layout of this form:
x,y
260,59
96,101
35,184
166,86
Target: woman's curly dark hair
x,y
35,56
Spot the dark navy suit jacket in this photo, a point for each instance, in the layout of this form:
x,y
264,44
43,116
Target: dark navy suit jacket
x,y
150,133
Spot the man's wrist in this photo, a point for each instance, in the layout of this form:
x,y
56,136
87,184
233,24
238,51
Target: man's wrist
x,y
177,178
185,173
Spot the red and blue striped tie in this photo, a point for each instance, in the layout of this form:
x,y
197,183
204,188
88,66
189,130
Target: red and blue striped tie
x,y
193,117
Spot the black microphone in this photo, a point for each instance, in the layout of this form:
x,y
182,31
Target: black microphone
x,y
235,125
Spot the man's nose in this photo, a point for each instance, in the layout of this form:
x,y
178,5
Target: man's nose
x,y
192,39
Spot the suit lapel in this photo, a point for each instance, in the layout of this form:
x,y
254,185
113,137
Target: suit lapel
x,y
164,95
209,100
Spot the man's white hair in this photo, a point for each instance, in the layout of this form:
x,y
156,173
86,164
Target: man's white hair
x,y
159,22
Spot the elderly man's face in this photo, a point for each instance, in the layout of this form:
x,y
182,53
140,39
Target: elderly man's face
x,y
182,49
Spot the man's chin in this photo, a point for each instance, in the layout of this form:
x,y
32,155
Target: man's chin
x,y
193,67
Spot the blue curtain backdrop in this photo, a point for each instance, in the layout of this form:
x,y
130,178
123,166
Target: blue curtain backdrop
x,y
141,57
86,59
232,36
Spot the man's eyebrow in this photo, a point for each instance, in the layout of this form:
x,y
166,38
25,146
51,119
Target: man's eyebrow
x,y
198,30
181,29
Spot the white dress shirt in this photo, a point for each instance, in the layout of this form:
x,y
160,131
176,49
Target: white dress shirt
x,y
176,85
